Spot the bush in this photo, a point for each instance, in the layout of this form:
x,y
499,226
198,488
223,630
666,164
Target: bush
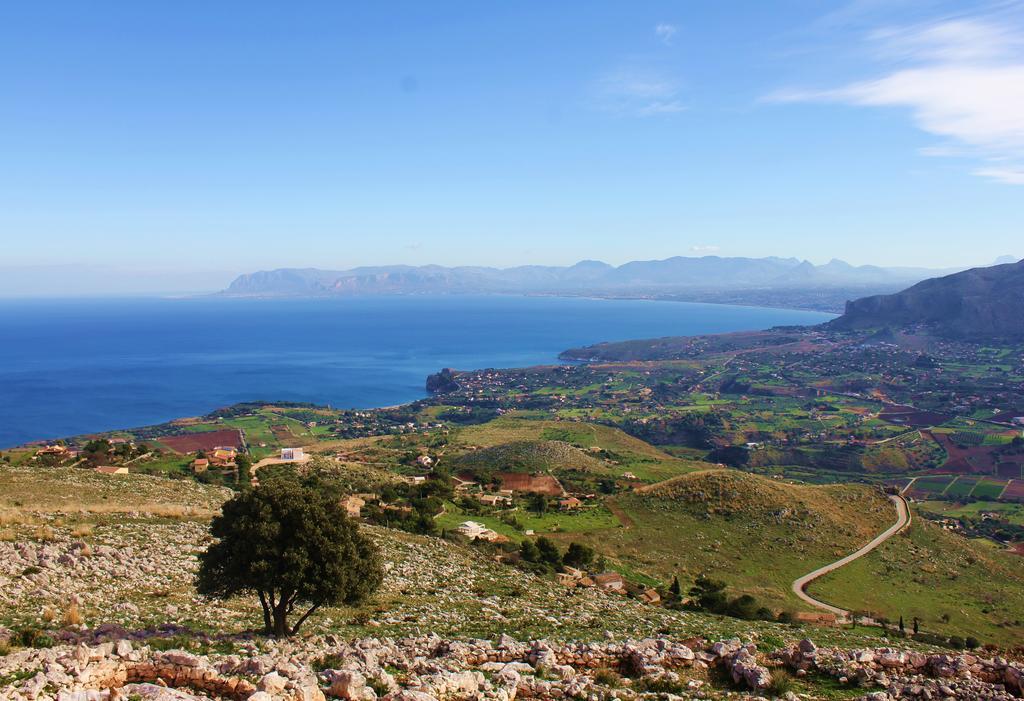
x,y
660,685
73,615
332,661
781,684
33,637
379,686
972,643
608,677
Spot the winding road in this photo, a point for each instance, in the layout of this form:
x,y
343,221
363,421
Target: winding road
x,y
800,585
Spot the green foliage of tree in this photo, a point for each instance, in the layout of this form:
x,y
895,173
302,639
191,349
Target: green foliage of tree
x,y
549,553
244,464
539,504
709,594
578,555
528,551
675,591
292,545
743,606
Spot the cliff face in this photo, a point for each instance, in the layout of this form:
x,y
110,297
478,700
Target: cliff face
x,y
981,302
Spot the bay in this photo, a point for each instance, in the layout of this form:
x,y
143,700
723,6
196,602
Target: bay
x,y
69,367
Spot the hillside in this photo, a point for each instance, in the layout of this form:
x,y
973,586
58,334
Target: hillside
x,y
981,302
528,456
132,566
944,580
605,450
755,533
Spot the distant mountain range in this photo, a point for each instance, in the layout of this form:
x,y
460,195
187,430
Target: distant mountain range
x,y
980,302
652,278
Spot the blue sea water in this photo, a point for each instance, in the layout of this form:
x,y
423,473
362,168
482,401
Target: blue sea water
x,y
69,367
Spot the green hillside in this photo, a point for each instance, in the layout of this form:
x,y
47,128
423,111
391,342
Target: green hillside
x,y
952,584
529,456
757,534
616,451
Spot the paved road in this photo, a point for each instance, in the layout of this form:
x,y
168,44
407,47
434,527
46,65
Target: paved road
x,y
800,585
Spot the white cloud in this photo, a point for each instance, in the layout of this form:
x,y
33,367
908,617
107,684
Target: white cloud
x,y
963,80
704,248
665,32
640,92
1010,176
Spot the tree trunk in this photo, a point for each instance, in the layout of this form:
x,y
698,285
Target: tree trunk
x,y
268,626
281,622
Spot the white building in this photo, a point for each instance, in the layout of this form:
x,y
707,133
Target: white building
x,y
292,454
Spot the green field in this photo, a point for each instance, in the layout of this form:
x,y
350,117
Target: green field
x,y
988,489
961,487
950,584
1014,513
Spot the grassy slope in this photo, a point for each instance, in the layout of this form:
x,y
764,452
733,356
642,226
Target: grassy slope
x,y
928,572
530,456
73,490
755,533
628,454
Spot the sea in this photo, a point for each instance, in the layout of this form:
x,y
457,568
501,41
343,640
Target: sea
x,y
72,367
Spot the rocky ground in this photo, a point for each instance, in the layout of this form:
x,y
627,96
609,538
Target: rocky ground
x,y
113,664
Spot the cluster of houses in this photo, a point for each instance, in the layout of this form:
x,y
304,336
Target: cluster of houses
x,y
608,581
220,458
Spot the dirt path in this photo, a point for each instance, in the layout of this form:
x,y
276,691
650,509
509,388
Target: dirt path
x,y
800,585
618,513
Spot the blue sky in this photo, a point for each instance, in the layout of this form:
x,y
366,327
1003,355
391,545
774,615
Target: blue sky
x,y
232,136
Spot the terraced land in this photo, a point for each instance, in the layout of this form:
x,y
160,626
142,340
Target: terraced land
x,y
929,486
961,487
988,488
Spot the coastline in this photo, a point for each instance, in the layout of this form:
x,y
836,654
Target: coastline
x,y
129,358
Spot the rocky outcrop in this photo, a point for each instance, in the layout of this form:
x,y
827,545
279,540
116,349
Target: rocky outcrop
x,y
906,674
426,668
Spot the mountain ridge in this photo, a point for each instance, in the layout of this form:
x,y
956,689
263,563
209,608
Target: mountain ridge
x,y
979,302
650,276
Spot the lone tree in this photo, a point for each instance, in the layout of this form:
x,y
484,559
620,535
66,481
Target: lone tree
x,y
293,545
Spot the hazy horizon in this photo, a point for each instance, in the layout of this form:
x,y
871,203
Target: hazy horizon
x,y
68,280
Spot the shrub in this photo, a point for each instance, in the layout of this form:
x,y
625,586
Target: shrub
x,y
660,685
72,615
332,661
972,642
33,637
82,530
781,684
379,686
608,677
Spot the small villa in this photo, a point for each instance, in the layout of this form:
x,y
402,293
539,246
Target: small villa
x,y
293,454
611,581
474,530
